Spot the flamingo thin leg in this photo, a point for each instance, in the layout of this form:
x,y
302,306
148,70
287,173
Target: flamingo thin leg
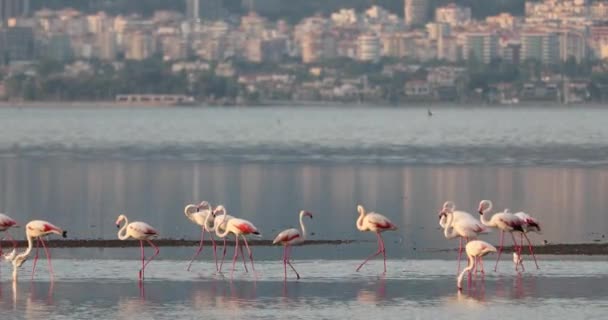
x,y
214,252
250,253
156,252
223,255
236,253
288,262
35,259
531,251
200,248
285,263
243,257
48,258
502,239
372,255
141,271
383,249
459,254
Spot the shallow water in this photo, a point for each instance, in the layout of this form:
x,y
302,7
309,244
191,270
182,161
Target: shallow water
x,y
329,289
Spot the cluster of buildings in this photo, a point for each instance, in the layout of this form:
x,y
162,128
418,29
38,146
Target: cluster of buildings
x,y
551,31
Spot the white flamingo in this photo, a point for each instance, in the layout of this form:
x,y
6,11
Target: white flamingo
x,y
465,226
504,221
475,250
292,237
139,231
376,223
198,214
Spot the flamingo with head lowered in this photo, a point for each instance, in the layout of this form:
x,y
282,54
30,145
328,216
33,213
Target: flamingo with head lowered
x,y
35,229
376,223
139,231
199,214
530,224
238,227
475,250
459,224
505,222
292,237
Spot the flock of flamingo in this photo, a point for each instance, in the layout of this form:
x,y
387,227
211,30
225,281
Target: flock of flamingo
x,y
455,223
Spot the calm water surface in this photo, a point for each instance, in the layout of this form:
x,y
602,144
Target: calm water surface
x,y
81,168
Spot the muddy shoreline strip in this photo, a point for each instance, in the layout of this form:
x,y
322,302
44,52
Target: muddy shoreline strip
x,y
551,249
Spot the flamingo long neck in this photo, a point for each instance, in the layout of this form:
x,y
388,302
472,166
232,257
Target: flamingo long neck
x,y
483,219
207,227
360,219
30,246
219,233
302,225
448,230
188,211
122,233
468,268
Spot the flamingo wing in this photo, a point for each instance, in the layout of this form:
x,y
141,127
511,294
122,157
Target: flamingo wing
x,y
379,221
244,226
286,236
6,221
142,228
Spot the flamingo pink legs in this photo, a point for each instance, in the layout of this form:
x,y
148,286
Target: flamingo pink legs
x,y
145,262
250,253
530,247
502,239
286,257
200,249
381,249
48,257
8,237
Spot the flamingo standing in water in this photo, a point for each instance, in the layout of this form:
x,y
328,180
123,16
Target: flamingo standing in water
x,y
530,224
463,225
35,229
292,237
377,223
139,231
475,250
6,223
238,227
219,226
505,222
199,214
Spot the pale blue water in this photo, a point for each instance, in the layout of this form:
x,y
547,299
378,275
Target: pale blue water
x,y
81,168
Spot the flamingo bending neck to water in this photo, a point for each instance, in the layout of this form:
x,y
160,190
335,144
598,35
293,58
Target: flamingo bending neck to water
x,y
505,222
463,225
35,229
238,227
292,237
139,231
475,250
199,214
530,224
377,223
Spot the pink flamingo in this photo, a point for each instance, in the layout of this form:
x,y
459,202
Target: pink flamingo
x,y
505,222
139,231
219,226
475,250
199,214
238,227
292,237
6,223
463,224
377,223
530,224
35,229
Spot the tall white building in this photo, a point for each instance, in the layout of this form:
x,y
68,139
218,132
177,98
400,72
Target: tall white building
x,y
482,46
368,47
416,12
193,9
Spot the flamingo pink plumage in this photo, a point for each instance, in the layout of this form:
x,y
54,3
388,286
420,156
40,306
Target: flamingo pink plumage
x,y
475,250
35,229
377,223
6,223
505,222
292,237
199,214
530,224
238,227
139,231
463,225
